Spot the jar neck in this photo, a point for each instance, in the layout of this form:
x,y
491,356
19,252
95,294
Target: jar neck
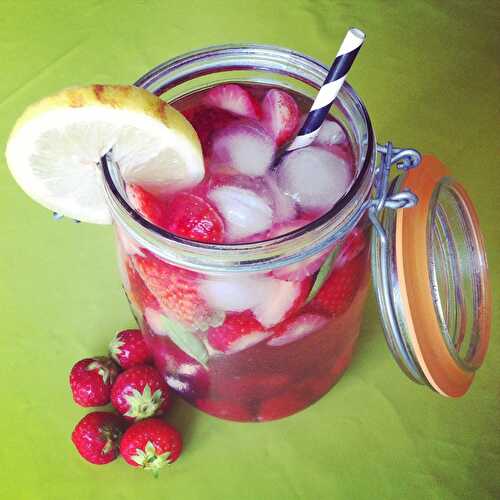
x,y
259,64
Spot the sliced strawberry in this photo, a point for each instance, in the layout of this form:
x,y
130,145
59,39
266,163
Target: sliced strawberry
x,y
176,290
191,217
239,331
296,328
338,291
146,204
206,121
139,292
233,98
281,406
228,410
355,243
281,115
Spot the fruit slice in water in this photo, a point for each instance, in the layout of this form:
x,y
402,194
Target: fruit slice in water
x,y
54,149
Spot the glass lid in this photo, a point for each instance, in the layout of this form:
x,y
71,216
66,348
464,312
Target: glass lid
x,y
431,280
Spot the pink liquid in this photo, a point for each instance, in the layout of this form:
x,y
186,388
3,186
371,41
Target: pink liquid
x,y
270,359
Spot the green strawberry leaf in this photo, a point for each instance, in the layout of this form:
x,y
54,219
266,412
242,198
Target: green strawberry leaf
x,y
185,339
323,273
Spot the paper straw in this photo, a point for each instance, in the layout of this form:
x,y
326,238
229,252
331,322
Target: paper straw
x,y
328,92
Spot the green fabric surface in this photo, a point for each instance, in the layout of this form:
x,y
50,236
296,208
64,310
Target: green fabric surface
x,y
429,74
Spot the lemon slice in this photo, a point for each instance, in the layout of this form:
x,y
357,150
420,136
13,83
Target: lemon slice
x,y
54,149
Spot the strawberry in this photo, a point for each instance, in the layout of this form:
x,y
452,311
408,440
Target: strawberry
x,y
176,289
239,331
139,291
280,115
151,444
129,349
338,291
206,121
228,410
355,243
91,380
97,436
280,406
193,218
296,328
233,98
146,204
140,392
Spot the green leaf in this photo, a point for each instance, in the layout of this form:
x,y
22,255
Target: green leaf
x,y
185,339
323,273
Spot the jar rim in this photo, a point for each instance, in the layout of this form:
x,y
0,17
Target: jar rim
x,y
279,246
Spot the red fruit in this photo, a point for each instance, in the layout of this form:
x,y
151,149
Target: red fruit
x,y
280,406
139,291
129,349
146,204
176,289
206,121
191,217
228,410
296,328
91,380
280,115
339,290
233,98
151,444
354,244
97,436
239,331
140,392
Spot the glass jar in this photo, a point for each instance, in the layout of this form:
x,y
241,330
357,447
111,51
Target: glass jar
x,y
298,297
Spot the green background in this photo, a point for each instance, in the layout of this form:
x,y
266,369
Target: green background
x,y
429,74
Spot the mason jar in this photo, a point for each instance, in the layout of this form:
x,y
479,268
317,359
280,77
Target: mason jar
x,y
300,296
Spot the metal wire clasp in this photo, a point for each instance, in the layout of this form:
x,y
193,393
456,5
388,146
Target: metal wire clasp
x,y
403,159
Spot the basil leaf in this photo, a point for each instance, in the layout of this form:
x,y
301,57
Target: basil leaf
x,y
185,339
323,274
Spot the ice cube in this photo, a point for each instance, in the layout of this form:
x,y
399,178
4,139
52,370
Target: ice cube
x,y
245,146
268,298
277,299
314,177
330,133
283,205
230,294
245,213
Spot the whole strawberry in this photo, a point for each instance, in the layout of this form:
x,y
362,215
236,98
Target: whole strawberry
x,y
97,436
91,380
128,349
140,392
151,444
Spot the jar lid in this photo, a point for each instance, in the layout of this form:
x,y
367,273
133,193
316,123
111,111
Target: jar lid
x,y
431,280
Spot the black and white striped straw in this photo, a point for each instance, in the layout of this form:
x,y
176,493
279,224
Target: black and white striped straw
x,y
328,92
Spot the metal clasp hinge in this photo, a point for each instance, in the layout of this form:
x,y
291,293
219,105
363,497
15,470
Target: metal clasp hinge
x,y
403,159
